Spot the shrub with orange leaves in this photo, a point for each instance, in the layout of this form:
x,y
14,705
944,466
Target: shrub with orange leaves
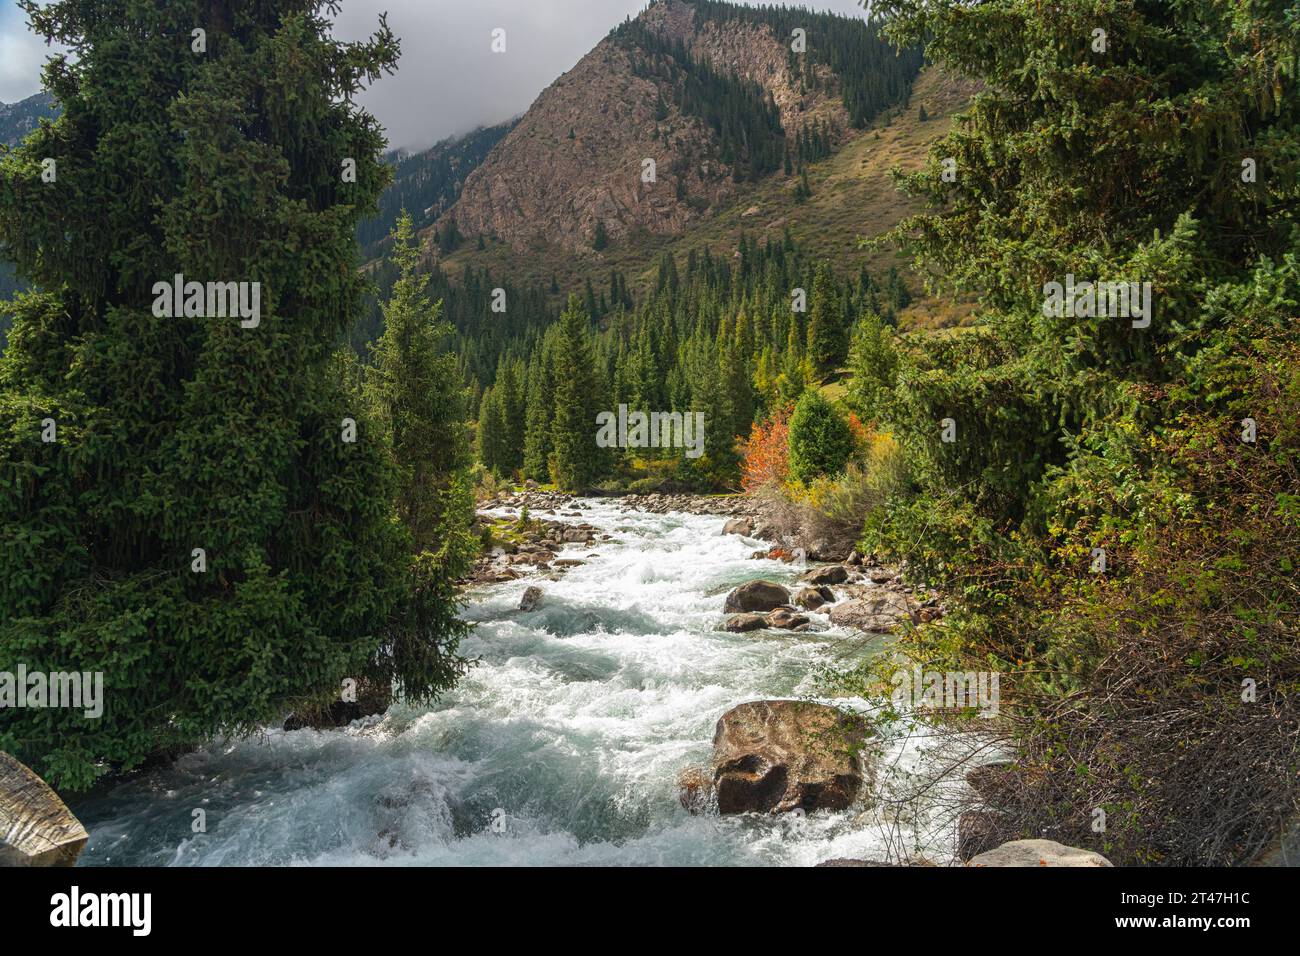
x,y
861,433
765,454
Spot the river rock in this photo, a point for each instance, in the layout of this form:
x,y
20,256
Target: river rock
x,y
830,574
532,596
810,599
773,756
739,623
1038,853
757,596
36,827
741,526
877,615
694,789
786,619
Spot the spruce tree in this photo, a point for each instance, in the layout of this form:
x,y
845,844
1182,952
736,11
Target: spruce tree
x,y
202,529
573,430
827,335
415,391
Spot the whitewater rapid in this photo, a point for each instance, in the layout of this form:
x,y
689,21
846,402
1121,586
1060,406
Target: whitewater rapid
x,y
561,747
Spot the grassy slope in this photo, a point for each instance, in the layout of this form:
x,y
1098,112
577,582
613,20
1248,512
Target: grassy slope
x,y
853,198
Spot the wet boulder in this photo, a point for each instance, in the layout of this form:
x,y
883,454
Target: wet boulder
x,y
810,599
774,756
757,596
36,827
532,596
786,619
740,526
694,789
739,623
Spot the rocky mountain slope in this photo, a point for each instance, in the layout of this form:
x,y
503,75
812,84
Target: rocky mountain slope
x,y
427,182
673,86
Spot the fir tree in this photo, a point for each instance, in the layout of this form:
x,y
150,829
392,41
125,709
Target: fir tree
x,y
417,395
183,433
573,429
827,334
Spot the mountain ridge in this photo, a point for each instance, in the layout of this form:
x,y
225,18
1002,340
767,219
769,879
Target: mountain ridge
x,y
575,164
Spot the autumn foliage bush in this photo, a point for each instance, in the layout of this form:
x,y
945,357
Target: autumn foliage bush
x,y
765,455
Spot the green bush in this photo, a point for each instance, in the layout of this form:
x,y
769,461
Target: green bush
x,y
820,439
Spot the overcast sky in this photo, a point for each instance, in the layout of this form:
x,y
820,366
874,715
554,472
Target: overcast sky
x,y
448,80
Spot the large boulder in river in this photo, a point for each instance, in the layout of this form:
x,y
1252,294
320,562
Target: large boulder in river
x,y
786,619
810,599
773,756
741,526
757,596
1038,853
532,596
36,827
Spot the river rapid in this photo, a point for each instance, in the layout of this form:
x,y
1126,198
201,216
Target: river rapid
x,y
561,747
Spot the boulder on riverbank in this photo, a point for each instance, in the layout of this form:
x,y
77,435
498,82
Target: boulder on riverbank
x,y
828,574
774,756
36,827
757,596
1038,853
878,614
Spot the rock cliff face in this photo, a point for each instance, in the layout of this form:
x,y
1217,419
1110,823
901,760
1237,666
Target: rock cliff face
x,y
575,160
